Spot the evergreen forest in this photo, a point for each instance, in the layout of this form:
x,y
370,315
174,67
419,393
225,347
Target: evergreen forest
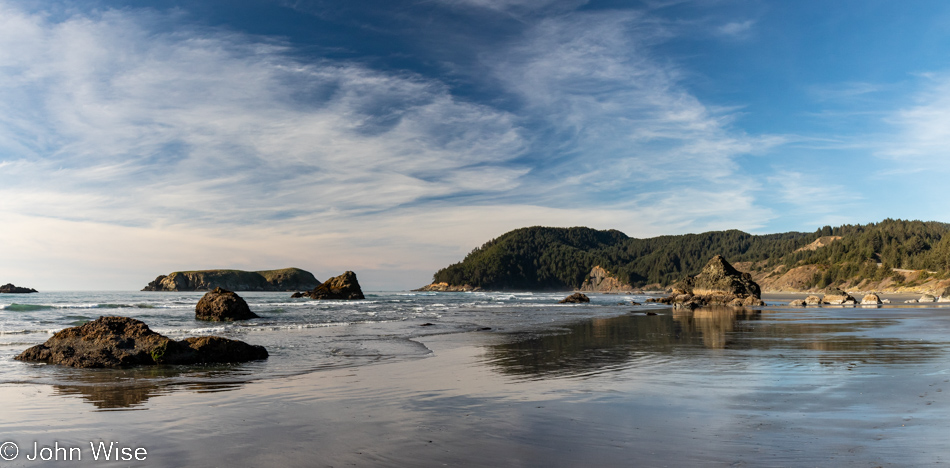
x,y
547,258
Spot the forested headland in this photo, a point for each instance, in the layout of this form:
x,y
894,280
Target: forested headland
x,y
894,252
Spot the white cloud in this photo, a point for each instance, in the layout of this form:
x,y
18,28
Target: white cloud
x,y
811,193
922,140
736,28
626,114
519,6
197,148
111,121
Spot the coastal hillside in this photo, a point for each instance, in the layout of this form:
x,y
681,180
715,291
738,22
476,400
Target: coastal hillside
x,y
545,258
286,279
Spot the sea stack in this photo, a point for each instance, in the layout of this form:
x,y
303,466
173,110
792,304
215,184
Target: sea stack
x,y
344,286
222,305
719,283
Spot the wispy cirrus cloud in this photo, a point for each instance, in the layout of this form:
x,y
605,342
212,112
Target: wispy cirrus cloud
x,y
127,128
519,6
199,126
921,140
624,117
736,29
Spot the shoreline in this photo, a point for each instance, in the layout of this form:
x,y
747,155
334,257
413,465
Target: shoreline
x,y
859,386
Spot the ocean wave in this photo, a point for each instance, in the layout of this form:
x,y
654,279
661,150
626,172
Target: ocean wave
x,y
24,331
26,307
128,306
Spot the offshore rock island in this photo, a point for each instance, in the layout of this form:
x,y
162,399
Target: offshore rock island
x,y
894,256
9,288
287,279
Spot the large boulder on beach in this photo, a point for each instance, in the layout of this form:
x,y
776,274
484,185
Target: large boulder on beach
x,y
222,305
927,298
813,300
9,288
123,341
836,296
344,286
576,298
871,299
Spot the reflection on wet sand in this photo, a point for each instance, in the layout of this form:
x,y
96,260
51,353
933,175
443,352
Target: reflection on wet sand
x,y
585,347
130,389
599,345
714,324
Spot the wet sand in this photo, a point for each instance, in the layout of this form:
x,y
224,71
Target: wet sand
x,y
716,387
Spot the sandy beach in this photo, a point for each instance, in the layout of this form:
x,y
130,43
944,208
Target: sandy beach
x,y
776,387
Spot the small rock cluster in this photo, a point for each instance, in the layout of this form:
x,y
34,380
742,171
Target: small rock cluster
x,y
943,297
835,296
446,287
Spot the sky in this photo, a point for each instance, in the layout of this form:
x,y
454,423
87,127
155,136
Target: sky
x,y
392,137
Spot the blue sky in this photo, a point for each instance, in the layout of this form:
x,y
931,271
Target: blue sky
x,y
391,137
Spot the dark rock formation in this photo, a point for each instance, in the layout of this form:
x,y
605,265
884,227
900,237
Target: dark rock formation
x,y
717,284
222,305
9,288
287,279
446,287
344,286
217,349
601,280
122,341
576,298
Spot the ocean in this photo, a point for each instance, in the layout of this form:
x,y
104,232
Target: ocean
x,y
492,379
301,335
